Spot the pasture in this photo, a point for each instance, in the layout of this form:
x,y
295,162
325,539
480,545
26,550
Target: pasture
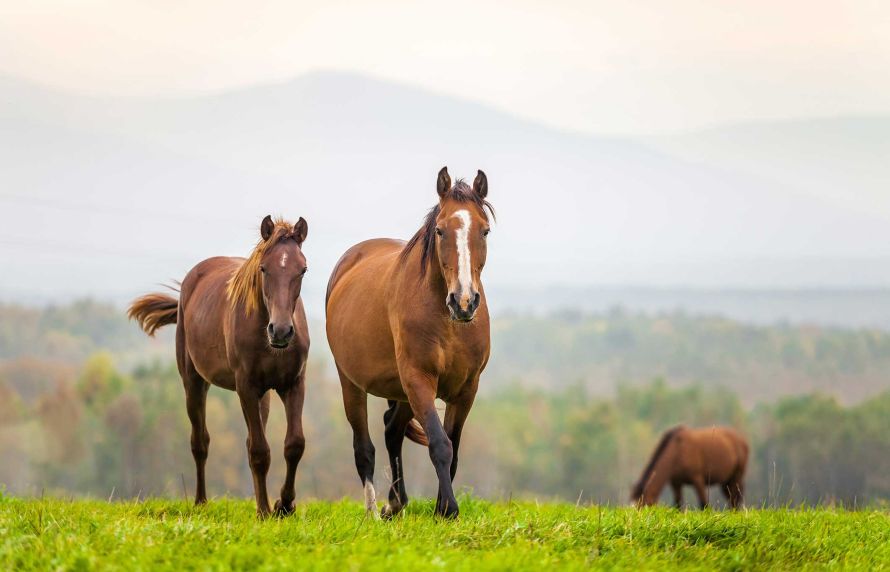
x,y
53,534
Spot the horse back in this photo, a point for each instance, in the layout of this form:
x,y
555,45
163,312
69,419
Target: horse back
x,y
721,452
368,251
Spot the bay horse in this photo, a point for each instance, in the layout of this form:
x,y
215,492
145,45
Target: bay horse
x,y
697,457
240,325
408,322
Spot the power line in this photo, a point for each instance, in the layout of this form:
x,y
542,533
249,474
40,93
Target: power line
x,y
31,243
92,208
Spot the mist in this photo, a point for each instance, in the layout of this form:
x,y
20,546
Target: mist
x,y
109,196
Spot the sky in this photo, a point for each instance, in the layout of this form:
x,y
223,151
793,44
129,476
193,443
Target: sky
x,y
614,67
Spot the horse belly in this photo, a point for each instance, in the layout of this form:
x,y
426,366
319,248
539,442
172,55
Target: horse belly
x,y
365,360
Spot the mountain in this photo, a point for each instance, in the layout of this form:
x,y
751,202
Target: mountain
x,y
108,196
836,158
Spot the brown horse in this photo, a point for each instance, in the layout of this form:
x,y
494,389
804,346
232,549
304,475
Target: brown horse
x,y
697,457
240,325
409,322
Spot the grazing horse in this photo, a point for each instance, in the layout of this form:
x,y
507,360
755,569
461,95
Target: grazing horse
x,y
697,457
240,325
409,322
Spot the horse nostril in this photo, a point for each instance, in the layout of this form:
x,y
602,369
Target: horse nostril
x,y
290,331
270,329
452,299
476,299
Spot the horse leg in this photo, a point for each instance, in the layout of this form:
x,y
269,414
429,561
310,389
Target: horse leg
x,y
355,402
455,417
702,491
396,420
257,447
678,494
739,490
196,405
294,444
422,396
265,402
734,491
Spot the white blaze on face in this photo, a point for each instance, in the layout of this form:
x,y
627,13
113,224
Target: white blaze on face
x,y
283,262
464,275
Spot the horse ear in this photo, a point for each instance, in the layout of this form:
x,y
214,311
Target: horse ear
x,y
443,183
267,227
301,229
480,184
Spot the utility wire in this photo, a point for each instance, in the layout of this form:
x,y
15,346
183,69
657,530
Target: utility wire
x,y
31,243
92,208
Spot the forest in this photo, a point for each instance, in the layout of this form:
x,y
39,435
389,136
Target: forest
x,y
571,407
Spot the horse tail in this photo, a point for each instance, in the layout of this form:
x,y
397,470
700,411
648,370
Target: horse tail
x,y
666,438
413,431
416,433
153,311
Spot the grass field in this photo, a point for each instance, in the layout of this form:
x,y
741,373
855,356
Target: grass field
x,y
52,534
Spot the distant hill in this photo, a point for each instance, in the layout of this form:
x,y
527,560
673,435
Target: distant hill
x,y
834,158
108,196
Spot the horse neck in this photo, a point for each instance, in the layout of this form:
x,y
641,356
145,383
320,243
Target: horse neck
x,y
658,473
656,481
431,280
250,321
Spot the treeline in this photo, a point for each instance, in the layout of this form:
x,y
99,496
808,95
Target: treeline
x,y
107,433
761,363
66,333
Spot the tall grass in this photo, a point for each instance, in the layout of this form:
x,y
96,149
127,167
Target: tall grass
x,y
42,534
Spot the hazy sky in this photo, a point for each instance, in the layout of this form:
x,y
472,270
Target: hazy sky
x,y
596,66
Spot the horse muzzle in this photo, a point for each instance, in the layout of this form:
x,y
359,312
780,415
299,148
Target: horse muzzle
x,y
458,312
280,336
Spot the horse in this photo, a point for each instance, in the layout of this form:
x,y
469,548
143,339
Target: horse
x,y
697,457
240,325
408,322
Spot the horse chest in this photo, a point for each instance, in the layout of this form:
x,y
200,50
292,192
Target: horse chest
x,y
278,373
461,362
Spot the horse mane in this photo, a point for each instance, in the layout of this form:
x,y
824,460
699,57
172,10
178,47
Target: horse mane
x,y
426,236
244,287
659,451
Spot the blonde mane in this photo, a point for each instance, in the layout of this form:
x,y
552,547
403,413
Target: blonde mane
x,y
244,287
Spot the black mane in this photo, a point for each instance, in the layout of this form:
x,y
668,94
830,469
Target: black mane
x,y
647,472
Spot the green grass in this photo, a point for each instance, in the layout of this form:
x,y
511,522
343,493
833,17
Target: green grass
x,y
52,534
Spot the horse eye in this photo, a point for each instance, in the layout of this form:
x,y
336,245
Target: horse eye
x,y
485,232
263,269
438,232
305,270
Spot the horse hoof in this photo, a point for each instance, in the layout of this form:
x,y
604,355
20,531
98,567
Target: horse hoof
x,y
390,511
283,510
448,511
